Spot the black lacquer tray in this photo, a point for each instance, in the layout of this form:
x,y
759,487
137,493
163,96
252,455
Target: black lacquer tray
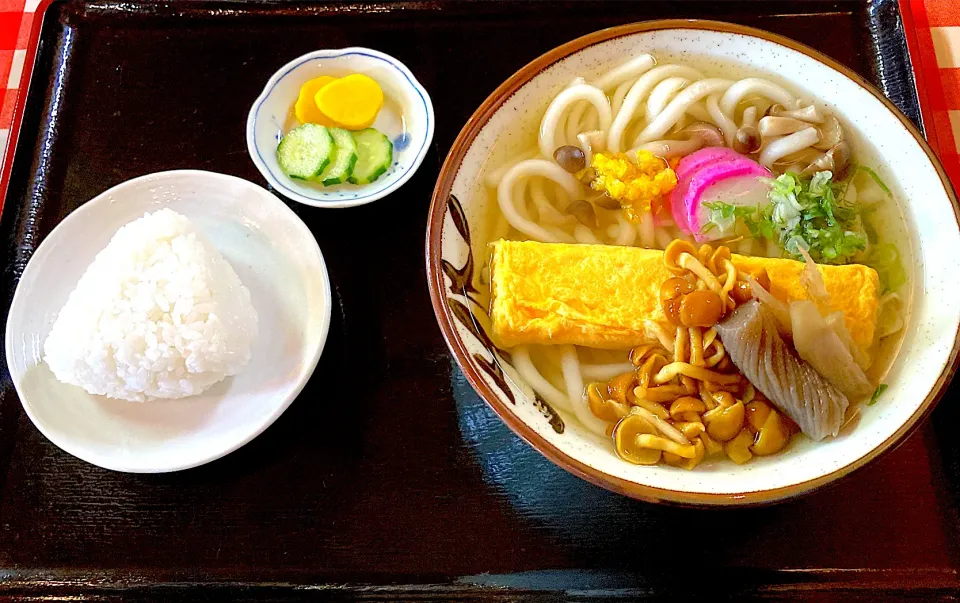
x,y
388,478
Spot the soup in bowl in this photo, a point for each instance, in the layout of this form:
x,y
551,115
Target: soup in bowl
x,y
697,262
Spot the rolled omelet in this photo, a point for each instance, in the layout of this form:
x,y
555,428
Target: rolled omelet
x,y
607,296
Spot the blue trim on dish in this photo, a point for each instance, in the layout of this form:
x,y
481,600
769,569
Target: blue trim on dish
x,y
338,195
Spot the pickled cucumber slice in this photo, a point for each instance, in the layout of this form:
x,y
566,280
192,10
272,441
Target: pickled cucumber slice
x,y
305,151
374,156
344,158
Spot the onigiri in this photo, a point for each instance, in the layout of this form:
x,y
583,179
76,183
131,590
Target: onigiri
x,y
158,314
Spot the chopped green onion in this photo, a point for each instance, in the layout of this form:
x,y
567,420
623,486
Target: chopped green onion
x,y
802,213
876,394
885,259
876,178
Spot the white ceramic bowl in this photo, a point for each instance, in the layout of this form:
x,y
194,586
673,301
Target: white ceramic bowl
x,y
406,118
277,259
508,120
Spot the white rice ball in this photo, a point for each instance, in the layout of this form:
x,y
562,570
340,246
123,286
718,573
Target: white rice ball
x,y
158,314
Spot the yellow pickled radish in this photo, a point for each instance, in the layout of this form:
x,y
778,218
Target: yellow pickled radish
x,y
352,102
306,107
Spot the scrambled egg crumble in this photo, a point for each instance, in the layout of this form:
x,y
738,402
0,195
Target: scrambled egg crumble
x,y
637,186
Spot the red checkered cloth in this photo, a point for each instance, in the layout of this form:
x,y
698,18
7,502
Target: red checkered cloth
x,y
933,34
16,19
932,28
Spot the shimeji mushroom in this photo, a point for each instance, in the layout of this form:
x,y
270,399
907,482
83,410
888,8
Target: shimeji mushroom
x,y
691,429
712,446
603,407
771,437
699,452
724,422
652,407
655,442
706,132
691,138
798,161
626,436
831,134
747,140
665,428
805,111
771,126
738,449
803,140
570,158
621,386
686,404
757,413
782,146
836,160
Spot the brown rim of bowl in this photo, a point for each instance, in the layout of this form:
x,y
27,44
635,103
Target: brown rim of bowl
x,y
436,284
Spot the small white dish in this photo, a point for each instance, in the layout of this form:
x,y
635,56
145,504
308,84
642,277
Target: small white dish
x,y
406,119
277,259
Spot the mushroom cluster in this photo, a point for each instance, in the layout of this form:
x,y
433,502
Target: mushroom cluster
x,y
690,138
803,139
686,431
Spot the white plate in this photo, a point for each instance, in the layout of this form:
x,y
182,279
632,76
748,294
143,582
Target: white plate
x,y
277,259
406,119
